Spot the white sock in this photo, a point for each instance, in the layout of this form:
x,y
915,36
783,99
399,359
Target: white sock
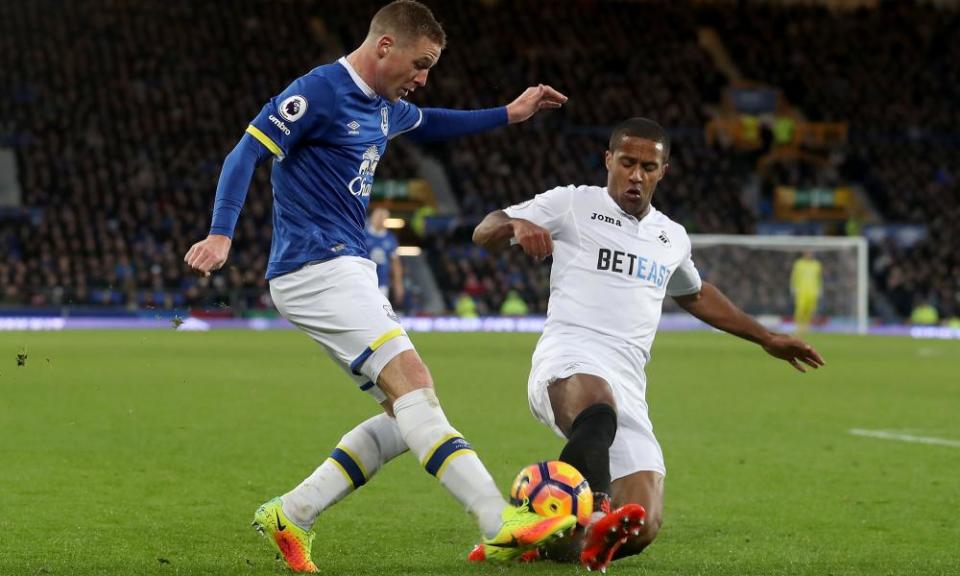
x,y
358,456
445,454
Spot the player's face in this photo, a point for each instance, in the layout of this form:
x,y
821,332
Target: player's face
x,y
633,170
403,67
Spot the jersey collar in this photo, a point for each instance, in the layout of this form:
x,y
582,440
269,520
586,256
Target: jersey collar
x,y
357,79
614,206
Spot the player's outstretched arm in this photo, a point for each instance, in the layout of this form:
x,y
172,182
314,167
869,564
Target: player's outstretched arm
x,y
211,253
497,230
438,124
711,306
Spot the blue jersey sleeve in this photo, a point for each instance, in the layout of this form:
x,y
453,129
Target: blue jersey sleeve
x,y
235,178
301,109
404,118
444,124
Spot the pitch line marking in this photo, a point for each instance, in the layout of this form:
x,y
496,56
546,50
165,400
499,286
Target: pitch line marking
x,y
884,435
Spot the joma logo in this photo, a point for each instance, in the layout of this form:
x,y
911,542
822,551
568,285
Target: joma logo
x,y
605,218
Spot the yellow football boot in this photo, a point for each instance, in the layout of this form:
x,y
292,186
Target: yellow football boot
x,y
291,541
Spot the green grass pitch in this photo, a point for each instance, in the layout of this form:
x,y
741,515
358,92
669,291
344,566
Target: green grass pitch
x,y
147,453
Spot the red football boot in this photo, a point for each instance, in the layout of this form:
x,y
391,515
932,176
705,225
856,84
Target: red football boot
x,y
606,534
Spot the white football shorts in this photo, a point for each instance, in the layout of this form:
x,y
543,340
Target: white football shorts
x,y
338,303
635,448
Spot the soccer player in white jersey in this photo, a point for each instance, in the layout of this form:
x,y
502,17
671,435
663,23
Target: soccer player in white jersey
x,y
326,133
615,258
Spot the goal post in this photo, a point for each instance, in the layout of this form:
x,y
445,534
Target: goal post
x,y
755,272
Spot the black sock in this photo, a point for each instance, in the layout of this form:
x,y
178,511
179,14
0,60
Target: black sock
x,y
588,446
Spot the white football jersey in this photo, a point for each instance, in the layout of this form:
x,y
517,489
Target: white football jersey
x,y
610,271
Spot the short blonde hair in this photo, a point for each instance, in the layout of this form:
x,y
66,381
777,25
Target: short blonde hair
x,y
408,20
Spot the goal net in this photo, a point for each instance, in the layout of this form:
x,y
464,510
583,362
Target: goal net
x,y
754,271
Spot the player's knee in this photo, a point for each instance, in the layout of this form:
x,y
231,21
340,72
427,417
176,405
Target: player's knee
x,y
571,397
405,373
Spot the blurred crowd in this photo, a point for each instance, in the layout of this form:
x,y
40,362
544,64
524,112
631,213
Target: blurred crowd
x,y
121,113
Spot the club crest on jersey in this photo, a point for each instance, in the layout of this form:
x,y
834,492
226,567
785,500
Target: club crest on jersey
x,y
362,183
390,313
663,239
293,108
385,120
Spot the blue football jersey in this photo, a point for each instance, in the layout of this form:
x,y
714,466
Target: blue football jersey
x,y
381,248
327,131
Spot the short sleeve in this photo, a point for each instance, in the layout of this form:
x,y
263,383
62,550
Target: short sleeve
x,y
547,209
404,118
685,280
303,107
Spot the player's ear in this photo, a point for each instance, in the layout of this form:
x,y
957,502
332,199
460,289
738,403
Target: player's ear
x,y
663,171
384,44
608,159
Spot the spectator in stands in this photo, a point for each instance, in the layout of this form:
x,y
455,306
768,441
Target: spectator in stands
x,y
924,314
513,305
465,306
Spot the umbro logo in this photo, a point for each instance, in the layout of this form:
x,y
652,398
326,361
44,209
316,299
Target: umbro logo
x,y
276,122
353,128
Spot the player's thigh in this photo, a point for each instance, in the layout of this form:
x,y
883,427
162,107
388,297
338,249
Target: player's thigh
x,y
645,488
339,305
558,385
572,395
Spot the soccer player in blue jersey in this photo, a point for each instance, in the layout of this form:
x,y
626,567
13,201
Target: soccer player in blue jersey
x,y
382,249
326,133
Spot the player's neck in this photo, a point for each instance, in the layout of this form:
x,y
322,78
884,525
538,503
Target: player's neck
x,y
363,60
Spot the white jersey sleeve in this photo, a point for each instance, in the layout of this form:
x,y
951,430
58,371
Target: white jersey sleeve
x,y
685,280
548,209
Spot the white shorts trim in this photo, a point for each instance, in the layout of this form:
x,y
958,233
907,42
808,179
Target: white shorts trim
x,y
338,303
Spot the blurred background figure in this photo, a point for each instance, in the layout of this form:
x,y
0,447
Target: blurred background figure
x,y
513,305
806,283
465,307
382,246
924,313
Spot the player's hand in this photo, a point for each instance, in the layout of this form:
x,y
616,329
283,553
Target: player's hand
x,y
793,350
535,240
532,100
208,254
